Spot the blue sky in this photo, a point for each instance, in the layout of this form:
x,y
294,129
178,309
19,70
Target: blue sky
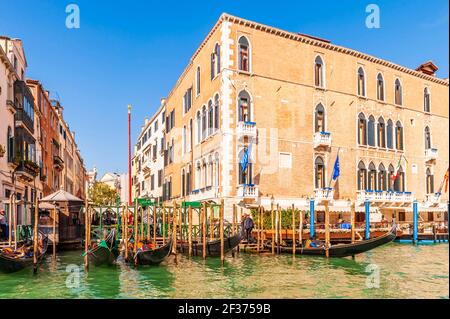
x,y
133,51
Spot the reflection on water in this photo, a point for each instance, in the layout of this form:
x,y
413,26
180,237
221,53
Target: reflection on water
x,y
406,271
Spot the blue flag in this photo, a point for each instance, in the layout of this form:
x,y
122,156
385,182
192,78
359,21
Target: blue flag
x,y
337,169
245,158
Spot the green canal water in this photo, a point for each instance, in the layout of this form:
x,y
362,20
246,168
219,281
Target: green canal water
x,y
405,271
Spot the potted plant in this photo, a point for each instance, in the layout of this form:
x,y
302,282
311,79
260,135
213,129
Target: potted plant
x,y
2,151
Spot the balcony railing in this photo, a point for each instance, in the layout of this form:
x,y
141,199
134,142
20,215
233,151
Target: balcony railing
x,y
11,106
433,198
384,196
58,162
246,129
248,191
324,194
208,192
146,167
22,118
27,170
322,139
431,154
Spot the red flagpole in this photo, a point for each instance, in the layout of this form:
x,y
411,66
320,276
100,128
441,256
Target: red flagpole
x,y
129,155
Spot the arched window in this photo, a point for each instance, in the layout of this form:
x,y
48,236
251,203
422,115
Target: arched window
x,y
184,139
183,183
244,107
217,53
380,87
199,127
318,72
399,184
372,177
245,176
398,92
427,138
198,176
391,172
362,129
381,129
319,173
204,124
211,172
371,131
430,182
362,176
426,100
244,54
210,117
198,80
205,174
216,112
399,136
361,82
10,145
319,118
390,135
382,181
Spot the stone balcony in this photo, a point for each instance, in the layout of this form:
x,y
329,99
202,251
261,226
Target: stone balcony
x,y
323,194
146,166
248,191
433,199
246,129
202,194
322,140
431,155
385,198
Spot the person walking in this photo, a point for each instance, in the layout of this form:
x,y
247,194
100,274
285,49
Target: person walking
x,y
248,227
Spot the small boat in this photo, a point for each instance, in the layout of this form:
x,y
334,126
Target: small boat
x,y
15,260
104,253
343,250
212,246
152,256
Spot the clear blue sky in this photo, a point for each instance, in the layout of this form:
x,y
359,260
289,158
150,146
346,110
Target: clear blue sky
x,y
134,51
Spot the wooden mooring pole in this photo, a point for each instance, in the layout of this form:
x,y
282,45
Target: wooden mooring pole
x,y
190,230
352,221
86,234
273,229
221,230
293,231
327,230
203,218
35,234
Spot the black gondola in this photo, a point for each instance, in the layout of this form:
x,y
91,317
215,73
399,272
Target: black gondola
x,y
11,262
106,252
212,246
152,256
343,250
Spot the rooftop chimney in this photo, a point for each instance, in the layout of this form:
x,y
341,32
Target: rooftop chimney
x,y
428,68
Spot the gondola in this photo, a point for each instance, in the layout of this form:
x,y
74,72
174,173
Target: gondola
x,y
343,250
148,257
106,252
13,261
212,246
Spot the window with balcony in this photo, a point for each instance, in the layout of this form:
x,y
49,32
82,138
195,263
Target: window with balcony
x,y
382,181
381,133
362,129
371,131
244,107
361,82
398,91
372,177
318,72
430,182
319,173
319,119
399,136
426,101
380,87
362,176
390,135
427,138
244,54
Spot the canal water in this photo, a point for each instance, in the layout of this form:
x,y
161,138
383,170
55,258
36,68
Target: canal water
x,y
391,271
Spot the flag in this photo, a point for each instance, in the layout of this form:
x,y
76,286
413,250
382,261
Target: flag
x,y
245,158
444,182
397,170
336,169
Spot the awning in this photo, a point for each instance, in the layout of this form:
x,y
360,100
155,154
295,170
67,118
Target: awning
x,y
46,206
61,196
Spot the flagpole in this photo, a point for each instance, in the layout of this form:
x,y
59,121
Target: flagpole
x,y
332,175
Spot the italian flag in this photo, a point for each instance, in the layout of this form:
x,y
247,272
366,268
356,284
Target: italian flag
x,y
397,170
